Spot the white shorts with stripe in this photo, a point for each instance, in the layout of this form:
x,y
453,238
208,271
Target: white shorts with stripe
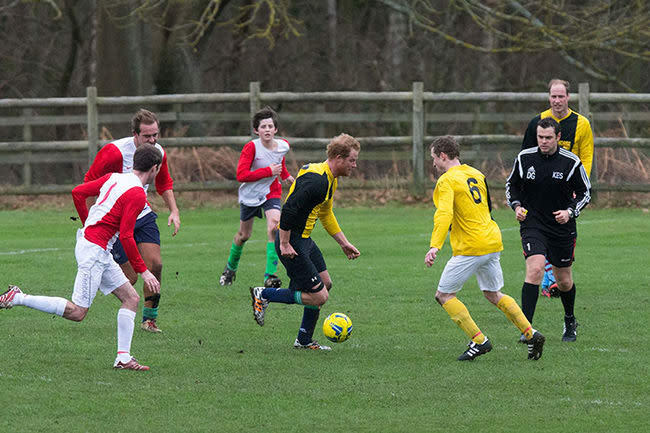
x,y
459,268
96,270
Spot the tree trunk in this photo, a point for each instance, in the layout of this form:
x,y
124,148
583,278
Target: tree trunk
x,y
489,73
397,34
92,44
75,42
331,27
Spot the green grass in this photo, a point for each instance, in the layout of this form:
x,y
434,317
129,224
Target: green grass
x,y
214,369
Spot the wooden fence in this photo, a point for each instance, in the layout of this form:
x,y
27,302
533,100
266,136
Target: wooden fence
x,y
28,151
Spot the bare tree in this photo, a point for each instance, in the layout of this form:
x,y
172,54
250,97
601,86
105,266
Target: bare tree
x,y
53,47
332,35
264,19
601,38
397,35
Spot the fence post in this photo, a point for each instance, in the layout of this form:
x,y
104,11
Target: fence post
x,y
93,123
27,137
254,95
177,121
585,110
320,126
418,137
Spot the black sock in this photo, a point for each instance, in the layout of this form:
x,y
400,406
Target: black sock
x,y
309,319
568,300
529,295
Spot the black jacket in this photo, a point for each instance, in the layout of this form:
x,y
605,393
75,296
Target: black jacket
x,y
544,184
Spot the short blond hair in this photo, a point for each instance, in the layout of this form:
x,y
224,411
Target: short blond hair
x,y
341,146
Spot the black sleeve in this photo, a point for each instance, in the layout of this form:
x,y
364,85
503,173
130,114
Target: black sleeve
x,y
513,186
530,137
579,182
489,200
310,190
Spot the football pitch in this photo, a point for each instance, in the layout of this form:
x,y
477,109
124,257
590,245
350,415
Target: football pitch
x,y
215,369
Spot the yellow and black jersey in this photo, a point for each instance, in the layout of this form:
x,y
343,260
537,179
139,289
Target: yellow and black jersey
x,y
576,136
462,201
310,198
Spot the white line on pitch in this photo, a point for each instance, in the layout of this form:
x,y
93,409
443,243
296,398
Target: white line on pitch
x,y
46,250
35,250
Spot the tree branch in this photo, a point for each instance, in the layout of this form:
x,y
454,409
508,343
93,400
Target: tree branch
x,y
565,55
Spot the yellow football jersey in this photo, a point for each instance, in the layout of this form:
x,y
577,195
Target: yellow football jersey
x,y
462,203
576,136
311,198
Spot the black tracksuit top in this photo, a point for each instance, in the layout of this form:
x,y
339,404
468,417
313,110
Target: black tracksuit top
x,y
544,184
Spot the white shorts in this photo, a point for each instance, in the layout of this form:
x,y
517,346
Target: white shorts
x,y
96,270
459,268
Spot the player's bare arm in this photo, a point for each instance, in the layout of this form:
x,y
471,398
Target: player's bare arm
x,y
174,214
350,251
430,256
286,249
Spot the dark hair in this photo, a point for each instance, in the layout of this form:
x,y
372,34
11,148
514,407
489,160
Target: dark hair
x,y
145,157
143,116
341,146
265,113
446,144
549,122
558,81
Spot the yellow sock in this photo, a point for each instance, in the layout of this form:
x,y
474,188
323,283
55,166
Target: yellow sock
x,y
513,312
459,314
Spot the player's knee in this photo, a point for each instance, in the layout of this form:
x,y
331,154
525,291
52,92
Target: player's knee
x,y
323,297
272,222
242,237
156,269
320,294
493,297
535,273
77,314
564,283
328,285
131,301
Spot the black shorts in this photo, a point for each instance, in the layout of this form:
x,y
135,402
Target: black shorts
x,y
145,231
559,251
304,269
248,212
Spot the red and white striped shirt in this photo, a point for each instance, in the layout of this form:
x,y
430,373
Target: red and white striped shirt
x,y
120,199
117,157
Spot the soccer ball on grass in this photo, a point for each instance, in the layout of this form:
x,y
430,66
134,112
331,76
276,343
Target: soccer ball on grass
x,y
337,327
